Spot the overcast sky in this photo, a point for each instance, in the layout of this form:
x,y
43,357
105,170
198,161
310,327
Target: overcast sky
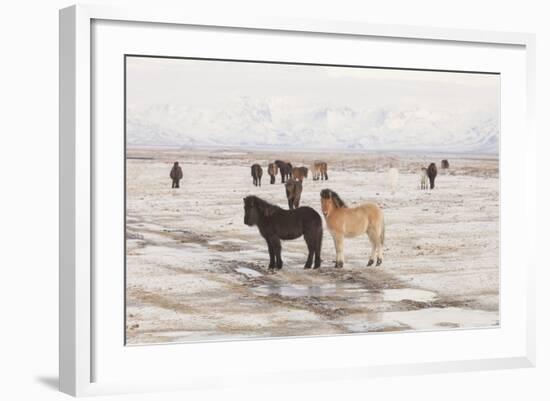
x,y
215,86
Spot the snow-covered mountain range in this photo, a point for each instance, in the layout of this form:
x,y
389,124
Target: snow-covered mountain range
x,y
263,123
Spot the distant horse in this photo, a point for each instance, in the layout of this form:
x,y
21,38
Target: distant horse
x,y
444,164
393,178
276,224
176,174
424,178
319,170
344,222
293,193
272,171
285,168
256,171
432,173
299,173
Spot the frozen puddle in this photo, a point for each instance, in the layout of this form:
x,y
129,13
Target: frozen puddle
x,y
248,272
324,290
294,291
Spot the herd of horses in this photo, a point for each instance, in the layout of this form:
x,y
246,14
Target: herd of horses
x,y
276,224
287,171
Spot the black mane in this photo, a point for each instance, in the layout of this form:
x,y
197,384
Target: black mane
x,y
330,194
266,208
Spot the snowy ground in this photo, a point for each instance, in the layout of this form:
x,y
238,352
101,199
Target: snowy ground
x,y
195,271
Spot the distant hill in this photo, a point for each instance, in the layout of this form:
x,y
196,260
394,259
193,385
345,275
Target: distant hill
x,y
259,123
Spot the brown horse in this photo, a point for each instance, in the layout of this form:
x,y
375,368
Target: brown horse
x,y
256,171
432,173
285,168
293,193
347,222
276,224
444,164
319,170
272,170
299,173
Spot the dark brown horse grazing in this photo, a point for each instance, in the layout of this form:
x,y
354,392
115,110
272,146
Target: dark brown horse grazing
x,y
293,193
432,173
272,171
444,164
299,173
276,224
285,168
256,171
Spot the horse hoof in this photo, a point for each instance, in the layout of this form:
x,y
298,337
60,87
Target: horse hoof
x,y
378,262
370,262
307,267
339,265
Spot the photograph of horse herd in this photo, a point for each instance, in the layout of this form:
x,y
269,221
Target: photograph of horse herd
x,y
271,200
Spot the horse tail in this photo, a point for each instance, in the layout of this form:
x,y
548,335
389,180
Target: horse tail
x,y
319,245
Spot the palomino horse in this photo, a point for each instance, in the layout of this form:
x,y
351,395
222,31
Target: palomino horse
x,y
299,173
319,170
256,171
347,222
276,224
423,178
272,171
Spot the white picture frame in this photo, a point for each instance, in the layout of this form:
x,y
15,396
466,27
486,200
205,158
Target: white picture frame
x,y
78,368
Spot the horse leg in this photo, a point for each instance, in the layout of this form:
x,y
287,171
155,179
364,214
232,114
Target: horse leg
x,y
310,249
379,255
374,239
339,245
276,243
326,176
311,236
271,255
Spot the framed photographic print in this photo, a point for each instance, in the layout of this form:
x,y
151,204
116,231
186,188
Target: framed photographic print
x,y
239,194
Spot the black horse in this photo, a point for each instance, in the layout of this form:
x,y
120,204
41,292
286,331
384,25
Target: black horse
x,y
256,171
432,173
285,168
276,224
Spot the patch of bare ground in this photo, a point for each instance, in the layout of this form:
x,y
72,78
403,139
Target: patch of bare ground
x,y
196,272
